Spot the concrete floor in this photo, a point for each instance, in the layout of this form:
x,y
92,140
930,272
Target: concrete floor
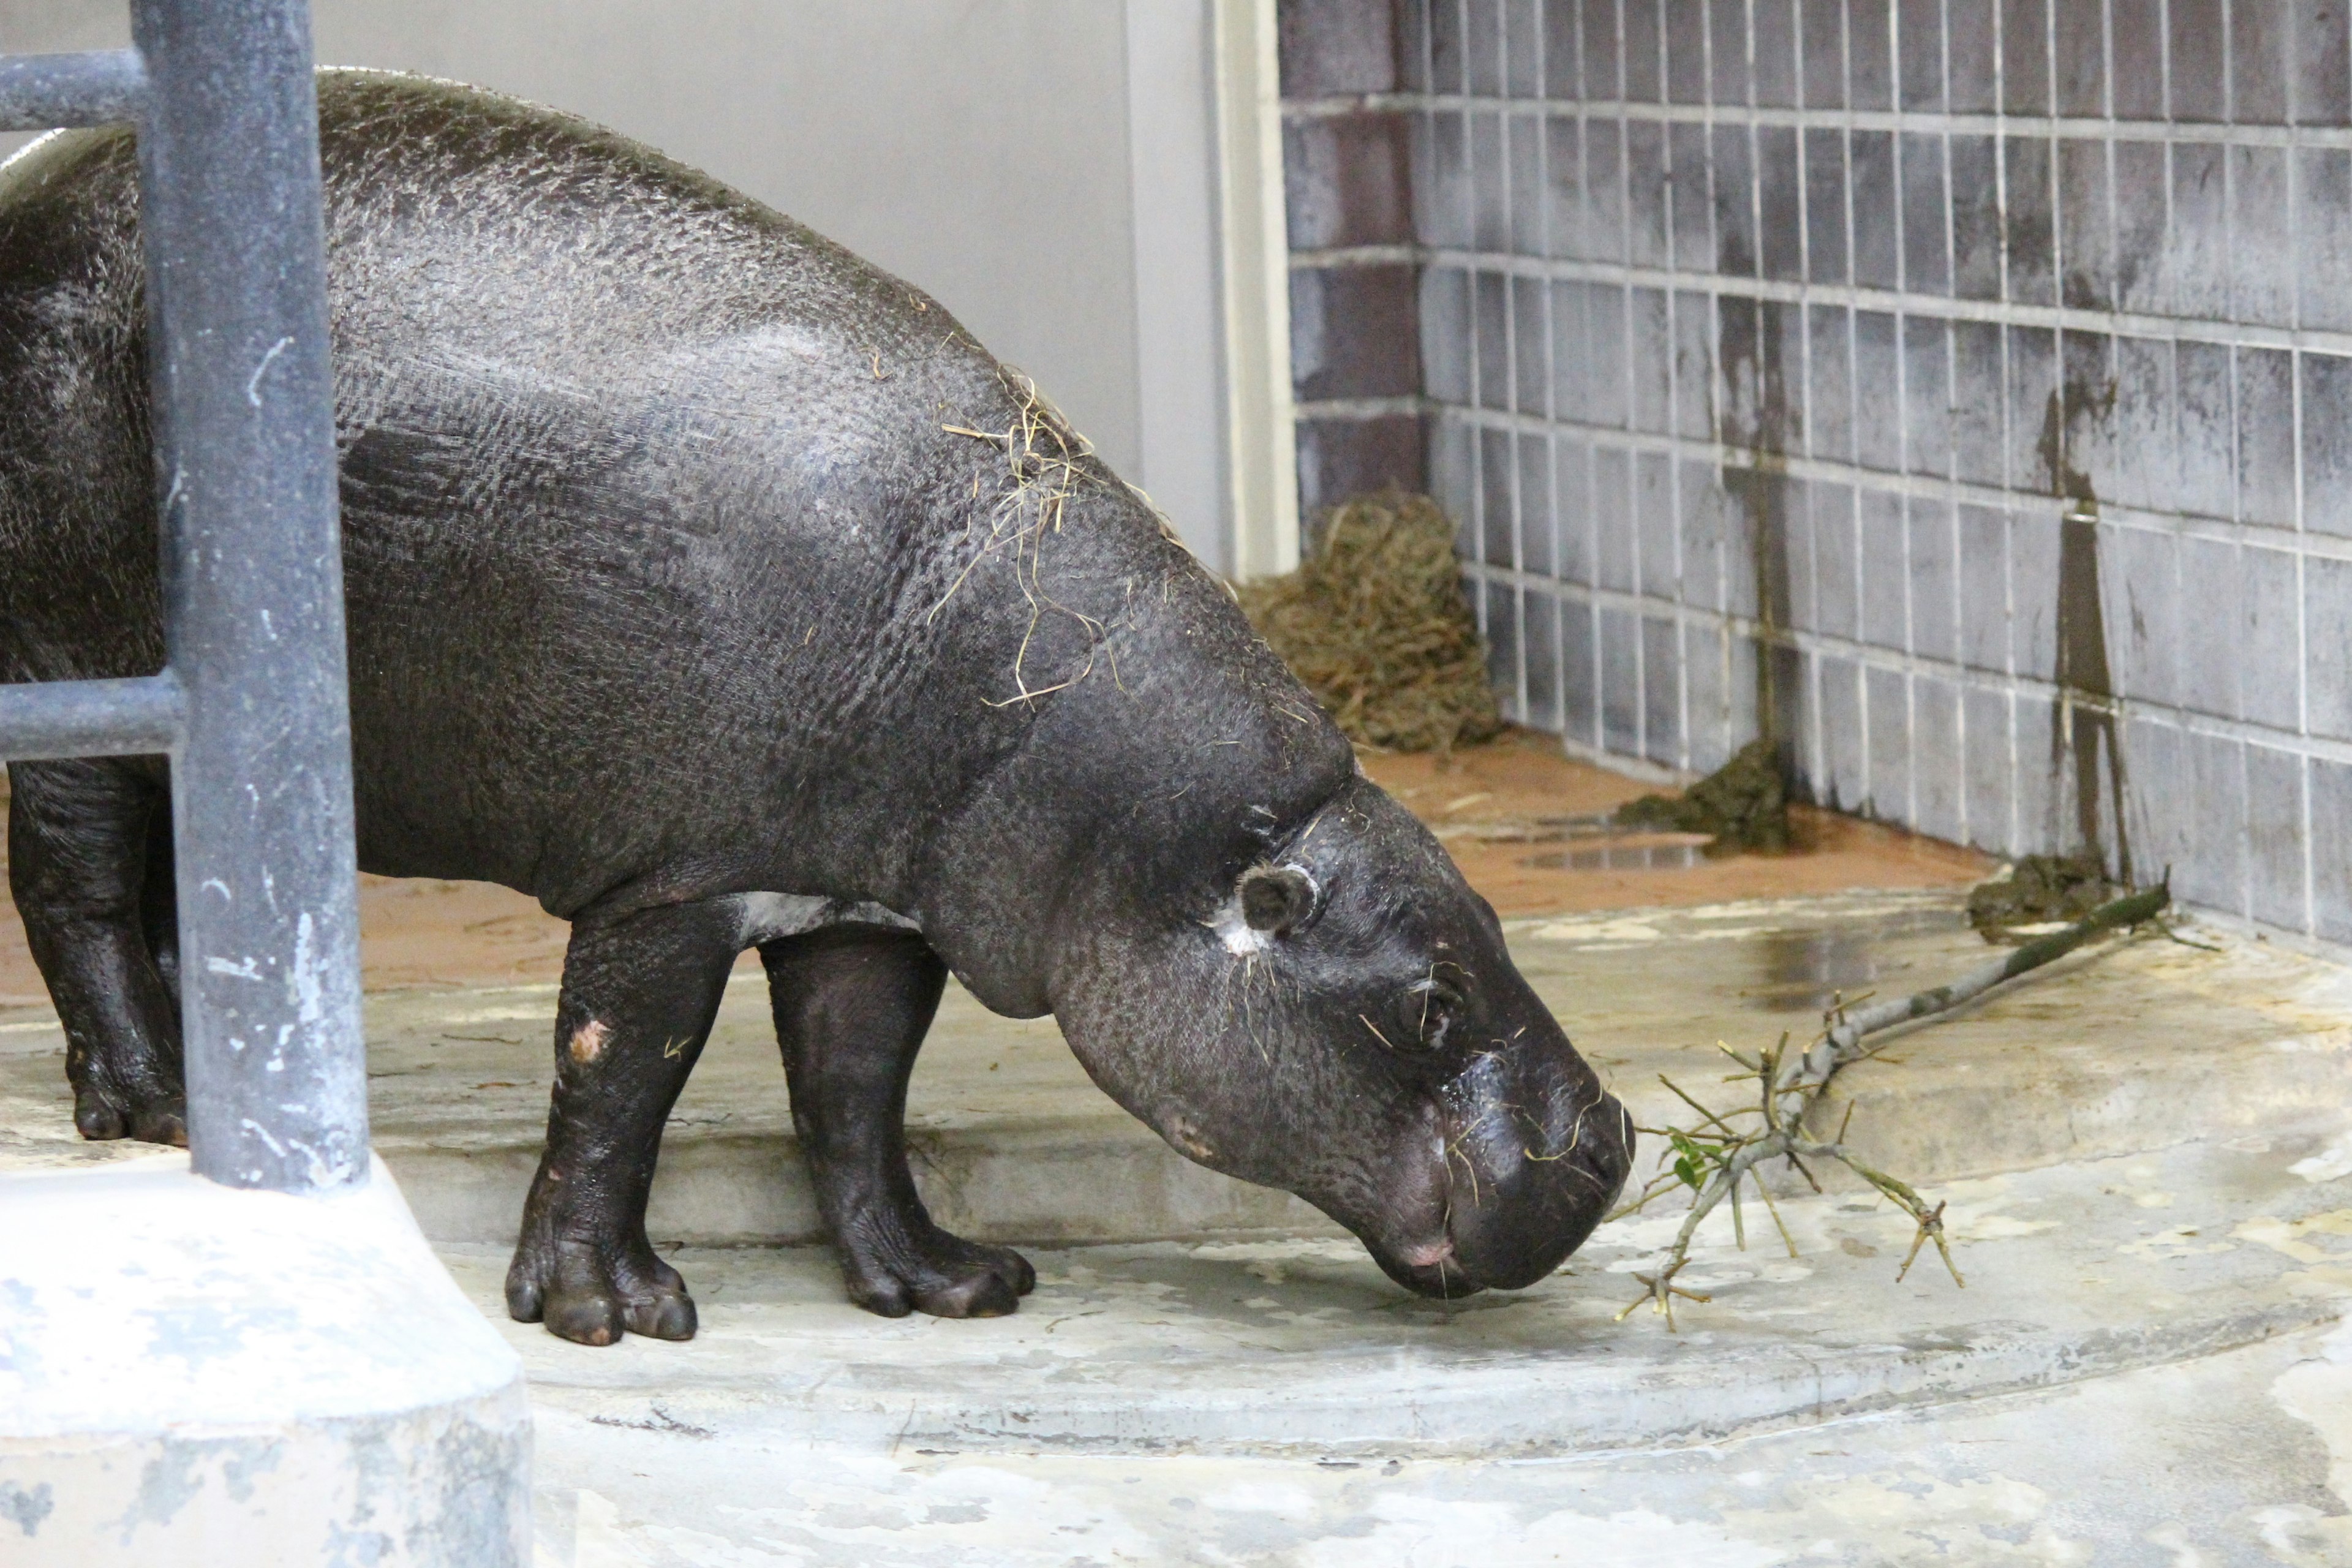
x,y
2147,1157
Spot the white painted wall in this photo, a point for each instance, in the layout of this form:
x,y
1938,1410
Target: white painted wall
x,y
1047,168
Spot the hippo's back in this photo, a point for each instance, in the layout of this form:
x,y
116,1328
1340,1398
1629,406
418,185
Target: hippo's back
x,y
637,474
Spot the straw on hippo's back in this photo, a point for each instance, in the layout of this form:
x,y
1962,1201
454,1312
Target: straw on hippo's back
x,y
713,587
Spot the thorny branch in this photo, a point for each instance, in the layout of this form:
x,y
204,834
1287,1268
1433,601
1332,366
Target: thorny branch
x,y
1712,1158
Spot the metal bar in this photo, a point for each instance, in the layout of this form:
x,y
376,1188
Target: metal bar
x,y
43,92
261,785
91,718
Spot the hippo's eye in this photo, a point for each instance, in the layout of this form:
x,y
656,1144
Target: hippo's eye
x,y
1427,1009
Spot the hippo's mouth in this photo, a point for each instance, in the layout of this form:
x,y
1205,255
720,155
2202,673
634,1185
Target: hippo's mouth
x,y
1428,1269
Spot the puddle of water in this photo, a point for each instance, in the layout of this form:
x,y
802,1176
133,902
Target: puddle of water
x,y
1622,858
1804,971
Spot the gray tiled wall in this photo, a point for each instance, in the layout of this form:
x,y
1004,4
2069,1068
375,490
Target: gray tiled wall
x,y
1961,390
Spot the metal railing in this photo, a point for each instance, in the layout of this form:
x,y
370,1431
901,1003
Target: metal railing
x,y
253,709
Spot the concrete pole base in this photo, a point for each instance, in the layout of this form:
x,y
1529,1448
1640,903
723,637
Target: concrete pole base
x,y
191,1373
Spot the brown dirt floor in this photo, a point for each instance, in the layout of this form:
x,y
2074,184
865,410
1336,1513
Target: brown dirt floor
x,y
1495,806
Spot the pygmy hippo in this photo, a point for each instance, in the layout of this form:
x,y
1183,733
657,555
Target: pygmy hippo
x,y
716,589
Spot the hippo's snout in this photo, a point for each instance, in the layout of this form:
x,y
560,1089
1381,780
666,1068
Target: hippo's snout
x,y
1531,1152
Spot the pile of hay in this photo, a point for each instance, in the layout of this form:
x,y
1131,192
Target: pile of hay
x,y
2039,889
1376,625
1744,803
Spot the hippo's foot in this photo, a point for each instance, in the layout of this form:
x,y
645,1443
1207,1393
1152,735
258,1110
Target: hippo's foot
x,y
154,1113
592,1293
894,1270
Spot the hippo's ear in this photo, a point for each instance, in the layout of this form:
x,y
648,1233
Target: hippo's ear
x,y
1276,899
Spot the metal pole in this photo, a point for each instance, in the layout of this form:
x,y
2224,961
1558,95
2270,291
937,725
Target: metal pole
x,y
261,789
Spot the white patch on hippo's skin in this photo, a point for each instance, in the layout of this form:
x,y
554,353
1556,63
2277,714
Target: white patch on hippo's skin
x,y
588,1041
765,917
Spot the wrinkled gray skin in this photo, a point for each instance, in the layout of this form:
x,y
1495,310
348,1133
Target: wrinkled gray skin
x,y
675,603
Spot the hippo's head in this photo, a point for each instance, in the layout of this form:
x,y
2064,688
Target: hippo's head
x,y
1335,1014
1255,950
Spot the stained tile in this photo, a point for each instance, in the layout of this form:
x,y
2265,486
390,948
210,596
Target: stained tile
x,y
1926,237
1990,776
1641,45
2210,649
1980,446
1877,392
2025,55
1655,525
1877,238
1889,701
1780,204
2323,195
1651,356
1825,52
1735,197
2215,873
2323,64
2328,648
1829,392
2135,34
1927,396
2198,49
2270,683
1648,208
2033,236
1886,574
2327,443
1976,218
1935,580
2266,436
2086,240
2206,448
1728,63
2258,61
1662,692
1540,659
1940,768
1920,56
1774,43
1984,587
1870,54
1524,156
1692,200
1825,215
2275,818
1579,679
2263,260
1971,56
2331,824
2142,178
1497,477
2079,31
1564,170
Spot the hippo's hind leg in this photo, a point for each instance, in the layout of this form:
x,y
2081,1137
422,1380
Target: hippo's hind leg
x,y
639,995
852,1006
90,864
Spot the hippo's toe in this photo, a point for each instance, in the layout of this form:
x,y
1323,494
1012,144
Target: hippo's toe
x,y
591,1298
944,1275
161,1117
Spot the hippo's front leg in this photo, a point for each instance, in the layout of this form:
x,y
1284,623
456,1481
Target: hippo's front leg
x,y
852,1006
639,995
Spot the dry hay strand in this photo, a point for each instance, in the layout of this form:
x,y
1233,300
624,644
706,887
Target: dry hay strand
x,y
1374,621
1044,460
1744,803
